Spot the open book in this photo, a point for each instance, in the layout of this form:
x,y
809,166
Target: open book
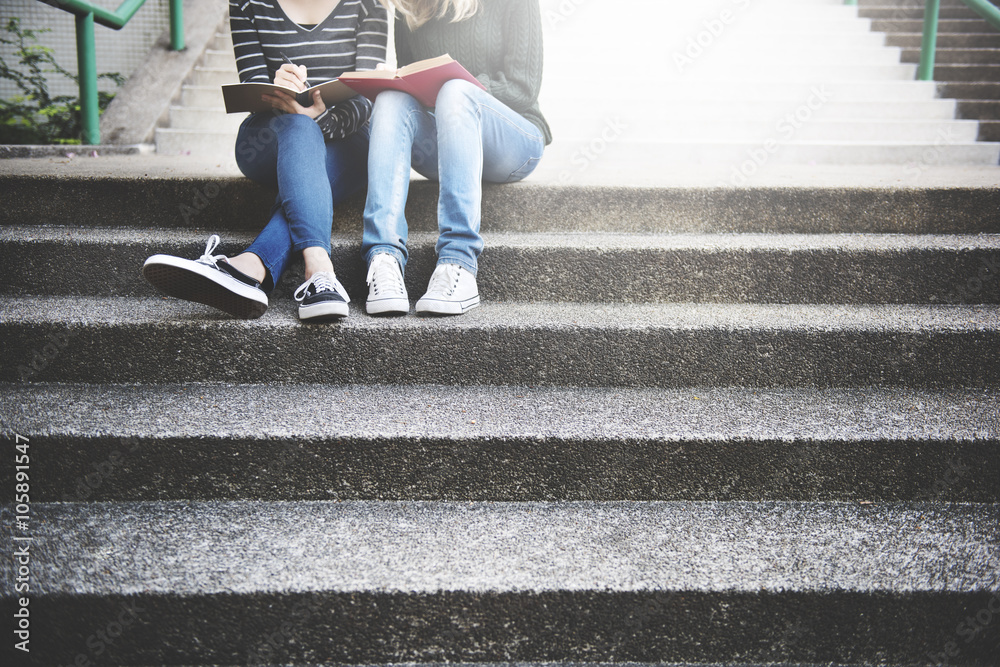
x,y
246,96
422,79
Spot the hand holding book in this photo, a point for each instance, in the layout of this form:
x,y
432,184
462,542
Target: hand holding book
x,y
422,79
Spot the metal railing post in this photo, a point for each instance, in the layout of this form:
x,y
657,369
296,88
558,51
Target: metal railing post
x,y
86,58
86,50
177,25
928,45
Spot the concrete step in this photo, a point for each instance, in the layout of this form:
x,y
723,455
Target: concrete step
x,y
202,96
737,91
946,72
968,50
537,344
170,193
774,110
765,51
609,267
205,118
213,76
979,109
966,56
179,141
974,90
220,59
907,3
977,25
223,41
893,11
989,40
945,146
321,442
768,39
989,130
792,125
591,157
702,71
371,583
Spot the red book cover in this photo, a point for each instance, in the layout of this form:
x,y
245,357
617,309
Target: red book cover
x,y
422,79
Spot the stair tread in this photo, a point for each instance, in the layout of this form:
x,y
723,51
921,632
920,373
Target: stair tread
x,y
484,412
597,241
239,548
117,311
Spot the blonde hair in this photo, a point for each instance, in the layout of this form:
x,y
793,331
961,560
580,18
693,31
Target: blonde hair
x,y
419,12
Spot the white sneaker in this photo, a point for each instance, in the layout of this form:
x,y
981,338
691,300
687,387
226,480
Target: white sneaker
x,y
386,291
322,298
210,280
452,291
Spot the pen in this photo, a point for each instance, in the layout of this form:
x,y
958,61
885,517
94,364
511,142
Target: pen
x,y
286,59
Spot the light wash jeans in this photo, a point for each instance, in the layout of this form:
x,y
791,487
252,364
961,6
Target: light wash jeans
x,y
288,151
469,137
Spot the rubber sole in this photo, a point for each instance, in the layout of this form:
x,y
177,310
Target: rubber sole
x,y
323,312
183,283
388,307
438,307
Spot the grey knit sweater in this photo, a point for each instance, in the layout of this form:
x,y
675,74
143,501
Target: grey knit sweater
x,y
501,45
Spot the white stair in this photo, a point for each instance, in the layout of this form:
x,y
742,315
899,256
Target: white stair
x,y
733,85
736,87
199,124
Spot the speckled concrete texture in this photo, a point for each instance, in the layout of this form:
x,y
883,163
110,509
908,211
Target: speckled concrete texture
x,y
388,581
320,442
154,192
691,424
581,267
241,548
545,344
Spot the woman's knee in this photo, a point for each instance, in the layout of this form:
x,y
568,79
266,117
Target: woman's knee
x,y
394,104
295,125
457,95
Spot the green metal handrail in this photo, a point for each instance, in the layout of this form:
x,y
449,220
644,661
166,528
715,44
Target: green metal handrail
x,y
928,46
86,53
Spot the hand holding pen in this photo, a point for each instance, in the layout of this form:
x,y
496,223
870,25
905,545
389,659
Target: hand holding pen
x,y
293,76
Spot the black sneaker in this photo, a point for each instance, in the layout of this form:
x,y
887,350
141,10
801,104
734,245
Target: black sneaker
x,y
322,298
210,280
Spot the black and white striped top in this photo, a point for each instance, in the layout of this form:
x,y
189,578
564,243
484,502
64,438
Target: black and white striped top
x,y
352,38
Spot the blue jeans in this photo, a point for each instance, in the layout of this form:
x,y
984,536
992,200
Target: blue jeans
x,y
469,137
288,151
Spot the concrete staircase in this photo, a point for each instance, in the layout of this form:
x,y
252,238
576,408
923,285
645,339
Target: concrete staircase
x,y
968,56
689,425
198,123
708,83
742,86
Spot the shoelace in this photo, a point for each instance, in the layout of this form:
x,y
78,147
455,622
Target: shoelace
x,y
320,282
444,281
383,275
207,257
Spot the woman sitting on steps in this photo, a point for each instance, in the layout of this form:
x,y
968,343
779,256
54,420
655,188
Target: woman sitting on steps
x,y
315,156
471,135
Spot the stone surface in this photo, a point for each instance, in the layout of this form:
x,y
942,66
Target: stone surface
x,y
431,581
545,344
320,442
580,267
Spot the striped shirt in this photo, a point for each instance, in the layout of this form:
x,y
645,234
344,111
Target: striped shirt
x,y
352,38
